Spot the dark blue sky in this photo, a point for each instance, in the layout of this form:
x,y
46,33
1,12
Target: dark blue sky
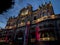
x,y
19,4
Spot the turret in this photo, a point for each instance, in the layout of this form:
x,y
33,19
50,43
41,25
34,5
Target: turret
x,y
50,8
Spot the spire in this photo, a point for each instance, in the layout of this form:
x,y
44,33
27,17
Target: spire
x,y
49,2
39,7
45,2
29,5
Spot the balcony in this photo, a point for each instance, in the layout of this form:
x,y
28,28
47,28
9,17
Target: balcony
x,y
44,39
34,21
43,18
47,39
21,24
33,40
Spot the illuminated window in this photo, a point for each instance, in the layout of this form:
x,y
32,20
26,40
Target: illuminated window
x,y
6,27
22,23
53,16
18,24
28,21
10,27
24,12
45,34
14,25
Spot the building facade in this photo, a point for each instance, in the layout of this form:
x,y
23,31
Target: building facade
x,y
25,24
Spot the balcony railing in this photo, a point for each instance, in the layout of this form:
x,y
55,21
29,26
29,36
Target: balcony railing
x,y
44,39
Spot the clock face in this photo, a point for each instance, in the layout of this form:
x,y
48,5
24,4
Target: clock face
x,y
24,12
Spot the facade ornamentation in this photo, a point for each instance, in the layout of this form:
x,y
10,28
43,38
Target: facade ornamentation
x,y
43,20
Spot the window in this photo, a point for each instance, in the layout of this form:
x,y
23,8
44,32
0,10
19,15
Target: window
x,y
22,23
34,17
50,25
20,34
51,34
40,27
10,27
59,25
24,12
45,26
44,34
33,35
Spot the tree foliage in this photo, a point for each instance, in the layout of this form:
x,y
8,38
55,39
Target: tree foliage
x,y
5,5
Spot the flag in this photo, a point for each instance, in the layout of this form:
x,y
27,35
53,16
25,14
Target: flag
x,y
6,38
37,33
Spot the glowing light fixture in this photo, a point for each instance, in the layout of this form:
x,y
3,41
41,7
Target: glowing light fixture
x,y
53,16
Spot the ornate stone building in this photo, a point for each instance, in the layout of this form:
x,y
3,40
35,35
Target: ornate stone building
x,y
43,17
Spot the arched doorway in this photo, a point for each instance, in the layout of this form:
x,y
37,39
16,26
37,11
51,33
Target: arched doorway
x,y
19,38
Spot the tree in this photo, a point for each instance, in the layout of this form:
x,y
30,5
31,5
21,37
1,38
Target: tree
x,y
5,5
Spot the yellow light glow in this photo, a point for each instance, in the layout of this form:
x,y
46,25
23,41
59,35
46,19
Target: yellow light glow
x,y
24,13
45,18
28,22
48,38
50,4
14,26
33,40
53,16
10,27
6,27
34,21
44,39
22,24
41,19
38,20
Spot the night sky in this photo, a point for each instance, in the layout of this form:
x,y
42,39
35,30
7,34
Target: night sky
x,y
19,4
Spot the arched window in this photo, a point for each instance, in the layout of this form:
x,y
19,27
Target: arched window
x,y
35,18
51,25
33,35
